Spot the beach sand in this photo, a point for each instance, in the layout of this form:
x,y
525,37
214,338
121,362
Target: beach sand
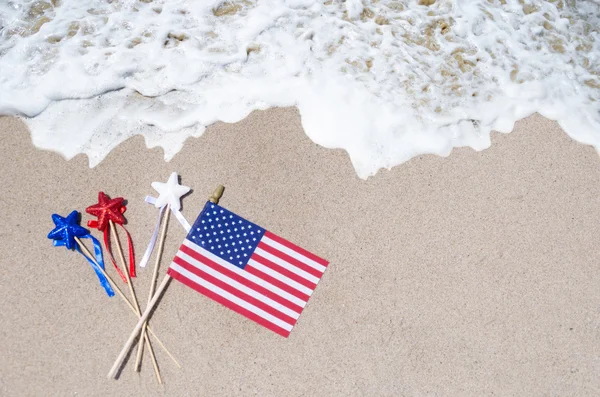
x,y
476,274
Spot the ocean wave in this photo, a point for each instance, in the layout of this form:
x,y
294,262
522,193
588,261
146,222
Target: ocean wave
x,y
385,80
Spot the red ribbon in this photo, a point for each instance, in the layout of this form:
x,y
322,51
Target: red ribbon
x,y
94,224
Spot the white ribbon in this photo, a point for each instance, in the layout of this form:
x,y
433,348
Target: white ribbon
x,y
150,248
178,215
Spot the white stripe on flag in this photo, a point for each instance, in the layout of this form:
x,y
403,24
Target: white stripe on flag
x,y
280,277
286,265
232,298
293,254
247,290
245,274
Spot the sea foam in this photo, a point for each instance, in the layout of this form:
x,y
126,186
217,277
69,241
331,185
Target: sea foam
x,y
385,80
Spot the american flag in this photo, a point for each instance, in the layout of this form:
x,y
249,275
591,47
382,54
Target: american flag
x,y
247,268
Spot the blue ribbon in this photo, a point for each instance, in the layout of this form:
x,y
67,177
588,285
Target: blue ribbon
x,y
99,259
64,235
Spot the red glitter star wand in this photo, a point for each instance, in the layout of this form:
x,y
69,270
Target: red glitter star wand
x,y
110,211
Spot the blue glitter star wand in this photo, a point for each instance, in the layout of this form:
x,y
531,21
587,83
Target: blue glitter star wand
x,y
68,233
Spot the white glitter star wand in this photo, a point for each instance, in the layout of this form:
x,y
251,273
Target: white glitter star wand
x,y
170,194
136,331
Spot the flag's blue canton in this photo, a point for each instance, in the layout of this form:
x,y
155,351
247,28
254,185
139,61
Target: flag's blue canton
x,y
226,234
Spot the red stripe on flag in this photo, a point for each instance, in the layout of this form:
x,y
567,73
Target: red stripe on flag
x,y
292,261
280,284
283,271
294,247
227,303
242,280
234,291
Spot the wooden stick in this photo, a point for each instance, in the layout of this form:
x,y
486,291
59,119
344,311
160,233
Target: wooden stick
x,y
113,230
113,371
161,243
138,327
122,295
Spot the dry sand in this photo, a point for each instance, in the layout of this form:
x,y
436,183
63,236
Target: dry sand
x,y
476,274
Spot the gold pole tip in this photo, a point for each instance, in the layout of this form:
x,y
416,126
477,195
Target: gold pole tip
x,y
216,196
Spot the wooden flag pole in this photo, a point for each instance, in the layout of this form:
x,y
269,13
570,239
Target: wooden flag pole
x,y
144,338
113,371
161,244
122,295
